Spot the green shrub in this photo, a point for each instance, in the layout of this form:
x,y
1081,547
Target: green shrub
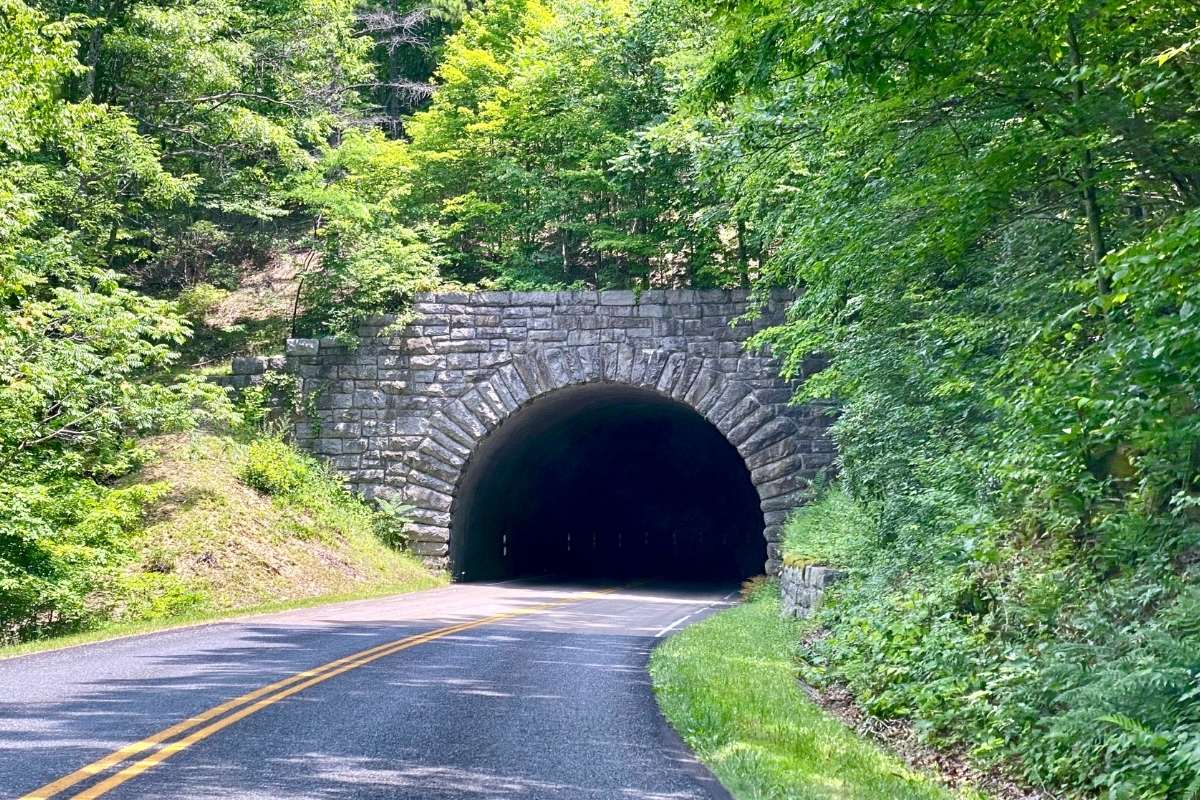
x,y
372,260
147,596
276,468
197,302
1079,668
266,406
833,530
273,467
61,548
391,523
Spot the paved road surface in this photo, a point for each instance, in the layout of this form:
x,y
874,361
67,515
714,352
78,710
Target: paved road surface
x,y
508,690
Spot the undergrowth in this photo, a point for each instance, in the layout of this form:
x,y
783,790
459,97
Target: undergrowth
x,y
728,686
1077,668
209,523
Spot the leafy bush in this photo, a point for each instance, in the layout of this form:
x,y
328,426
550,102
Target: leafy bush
x,y
273,467
371,261
61,549
1080,673
197,301
391,523
156,596
270,404
1010,327
84,358
834,531
276,468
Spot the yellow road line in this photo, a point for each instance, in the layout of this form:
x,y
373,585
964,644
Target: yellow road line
x,y
257,700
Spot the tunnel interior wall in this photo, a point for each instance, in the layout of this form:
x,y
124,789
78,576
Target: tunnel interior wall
x,y
609,481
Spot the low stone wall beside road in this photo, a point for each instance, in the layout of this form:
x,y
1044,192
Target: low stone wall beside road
x,y
802,588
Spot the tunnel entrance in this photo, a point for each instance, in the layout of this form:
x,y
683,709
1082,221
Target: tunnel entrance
x,y
606,480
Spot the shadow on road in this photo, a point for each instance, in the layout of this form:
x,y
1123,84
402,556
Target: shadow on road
x,y
554,705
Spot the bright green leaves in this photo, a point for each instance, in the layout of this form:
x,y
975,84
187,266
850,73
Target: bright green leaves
x,y
35,58
990,211
236,97
370,261
72,365
145,148
75,345
61,545
537,158
81,354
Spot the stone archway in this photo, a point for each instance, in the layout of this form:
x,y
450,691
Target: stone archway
x,y
400,412
770,445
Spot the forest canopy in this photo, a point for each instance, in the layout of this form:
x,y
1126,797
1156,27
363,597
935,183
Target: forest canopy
x,y
990,213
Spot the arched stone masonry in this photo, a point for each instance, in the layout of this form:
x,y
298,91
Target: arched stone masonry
x,y
401,414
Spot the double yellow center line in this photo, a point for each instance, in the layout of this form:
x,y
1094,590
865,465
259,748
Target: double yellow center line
x,y
163,744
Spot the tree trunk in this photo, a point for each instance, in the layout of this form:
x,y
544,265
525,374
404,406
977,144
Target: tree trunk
x,y
743,256
1087,175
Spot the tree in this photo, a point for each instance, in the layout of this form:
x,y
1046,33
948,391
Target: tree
x,y
78,350
989,210
537,155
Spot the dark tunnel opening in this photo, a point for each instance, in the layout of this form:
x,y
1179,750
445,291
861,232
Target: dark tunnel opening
x,y
606,481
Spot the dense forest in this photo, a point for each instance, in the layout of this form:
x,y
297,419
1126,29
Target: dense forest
x,y
991,211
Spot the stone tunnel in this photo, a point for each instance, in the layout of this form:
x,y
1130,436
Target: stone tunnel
x,y
572,433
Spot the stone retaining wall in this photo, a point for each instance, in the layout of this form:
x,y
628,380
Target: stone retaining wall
x,y
802,588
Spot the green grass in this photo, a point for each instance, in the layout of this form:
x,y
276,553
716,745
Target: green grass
x,y
209,546
119,630
728,686
214,543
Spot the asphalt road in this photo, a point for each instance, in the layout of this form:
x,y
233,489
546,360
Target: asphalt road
x,y
507,690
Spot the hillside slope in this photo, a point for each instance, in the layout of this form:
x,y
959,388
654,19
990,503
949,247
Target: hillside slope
x,y
212,543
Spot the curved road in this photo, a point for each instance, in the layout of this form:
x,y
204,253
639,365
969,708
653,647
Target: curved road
x,y
504,690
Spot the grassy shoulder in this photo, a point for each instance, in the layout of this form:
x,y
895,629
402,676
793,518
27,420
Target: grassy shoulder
x,y
728,686
120,630
244,524
213,526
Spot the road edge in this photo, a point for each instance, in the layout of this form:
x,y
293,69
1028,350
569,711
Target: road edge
x,y
236,616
